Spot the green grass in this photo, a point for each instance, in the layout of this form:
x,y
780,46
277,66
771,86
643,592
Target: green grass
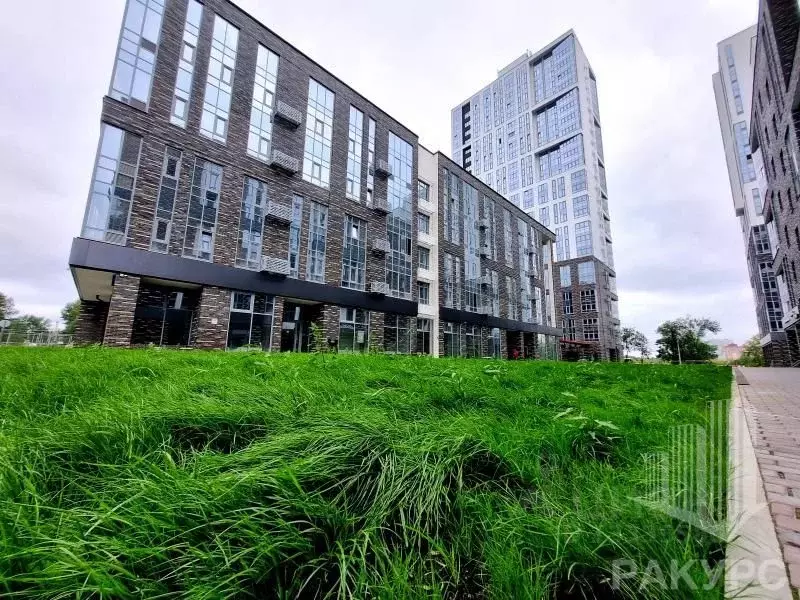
x,y
177,474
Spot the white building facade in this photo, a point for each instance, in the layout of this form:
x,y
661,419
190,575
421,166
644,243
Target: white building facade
x,y
534,135
428,249
733,90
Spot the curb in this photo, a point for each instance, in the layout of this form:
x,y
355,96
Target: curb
x,y
754,566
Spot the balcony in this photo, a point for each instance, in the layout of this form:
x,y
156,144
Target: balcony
x,y
379,288
380,246
380,205
279,213
382,168
275,266
288,114
284,162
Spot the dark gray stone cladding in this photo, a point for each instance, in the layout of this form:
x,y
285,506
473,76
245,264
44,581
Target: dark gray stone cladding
x,y
775,129
294,71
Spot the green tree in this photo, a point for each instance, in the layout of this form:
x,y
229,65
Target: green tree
x,y
7,310
29,324
752,354
69,314
682,339
633,339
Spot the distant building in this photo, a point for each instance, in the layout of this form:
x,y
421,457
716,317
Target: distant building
x,y
733,88
731,352
534,135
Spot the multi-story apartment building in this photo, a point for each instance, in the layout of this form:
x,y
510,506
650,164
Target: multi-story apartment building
x,y
494,270
534,134
243,196
775,119
733,89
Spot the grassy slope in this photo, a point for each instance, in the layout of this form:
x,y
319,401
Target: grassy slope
x,y
210,475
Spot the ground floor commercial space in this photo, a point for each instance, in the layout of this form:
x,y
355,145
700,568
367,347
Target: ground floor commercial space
x,y
144,311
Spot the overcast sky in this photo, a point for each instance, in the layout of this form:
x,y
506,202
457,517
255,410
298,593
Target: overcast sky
x,y
678,248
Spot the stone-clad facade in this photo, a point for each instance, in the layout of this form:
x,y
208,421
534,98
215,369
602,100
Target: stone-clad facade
x,y
775,133
135,293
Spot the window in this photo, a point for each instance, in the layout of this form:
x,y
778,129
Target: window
x,y
353,330
398,221
556,71
586,272
583,238
294,236
489,235
185,77
512,291
559,119
758,205
590,330
424,258
527,199
507,240
559,188
588,301
542,194
761,239
562,243
560,212
136,54
424,290
578,181
317,237
568,326
566,275
424,336
424,223
319,131
251,224
162,225
452,339
250,321
113,183
544,216
564,157
567,302
472,341
355,141
219,83
354,253
452,281
737,93
580,206
201,218
260,134
370,161
396,338
746,168
423,191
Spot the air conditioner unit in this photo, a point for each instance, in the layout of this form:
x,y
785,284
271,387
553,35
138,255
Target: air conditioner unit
x,y
283,161
485,251
280,213
383,168
275,266
380,204
380,246
288,114
484,223
379,288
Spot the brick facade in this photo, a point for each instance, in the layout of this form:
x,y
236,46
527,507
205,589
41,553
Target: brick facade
x,y
119,323
774,131
91,324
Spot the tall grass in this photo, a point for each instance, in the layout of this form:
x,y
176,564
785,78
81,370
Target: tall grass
x,y
167,474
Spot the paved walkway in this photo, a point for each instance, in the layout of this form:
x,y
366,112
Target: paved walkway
x,y
771,400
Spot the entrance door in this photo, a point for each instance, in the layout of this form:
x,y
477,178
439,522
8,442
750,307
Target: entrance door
x,y
295,327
